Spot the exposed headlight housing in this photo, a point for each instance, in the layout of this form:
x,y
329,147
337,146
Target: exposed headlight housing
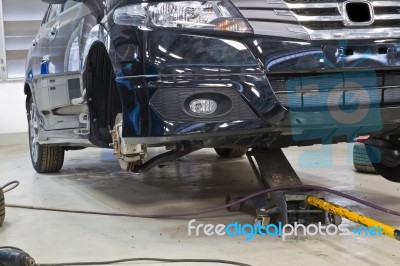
x,y
218,15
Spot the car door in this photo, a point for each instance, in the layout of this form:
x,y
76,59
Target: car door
x,y
59,89
37,51
53,82
39,54
69,43
66,93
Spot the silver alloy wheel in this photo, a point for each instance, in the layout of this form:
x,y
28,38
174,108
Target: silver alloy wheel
x,y
34,132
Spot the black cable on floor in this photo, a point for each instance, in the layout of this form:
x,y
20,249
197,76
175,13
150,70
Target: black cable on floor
x,y
149,259
209,210
16,256
171,215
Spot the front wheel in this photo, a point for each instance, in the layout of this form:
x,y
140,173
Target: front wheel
x,y
45,159
231,153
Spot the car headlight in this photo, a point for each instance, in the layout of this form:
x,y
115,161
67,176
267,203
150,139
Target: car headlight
x,y
218,15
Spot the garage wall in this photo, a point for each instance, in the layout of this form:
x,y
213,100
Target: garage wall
x,y
19,21
13,125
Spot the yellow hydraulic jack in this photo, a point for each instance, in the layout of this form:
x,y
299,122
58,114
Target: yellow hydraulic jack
x,y
302,206
353,216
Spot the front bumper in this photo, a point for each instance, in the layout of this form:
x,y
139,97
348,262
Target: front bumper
x,y
279,87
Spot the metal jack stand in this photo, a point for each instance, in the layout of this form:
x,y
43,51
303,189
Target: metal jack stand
x,y
272,169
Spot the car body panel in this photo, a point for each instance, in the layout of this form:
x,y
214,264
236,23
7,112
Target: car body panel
x,y
153,65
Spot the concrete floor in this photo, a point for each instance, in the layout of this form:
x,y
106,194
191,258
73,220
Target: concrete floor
x,y
91,180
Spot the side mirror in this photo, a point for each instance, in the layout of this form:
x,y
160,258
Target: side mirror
x,y
54,2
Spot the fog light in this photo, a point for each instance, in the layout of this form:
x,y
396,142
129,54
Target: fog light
x,y
203,106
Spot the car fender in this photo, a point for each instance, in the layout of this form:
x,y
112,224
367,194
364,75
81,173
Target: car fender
x,y
97,34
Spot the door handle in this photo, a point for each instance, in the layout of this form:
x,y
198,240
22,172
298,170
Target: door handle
x,y
54,31
34,43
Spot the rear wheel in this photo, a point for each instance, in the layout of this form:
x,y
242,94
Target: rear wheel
x,y
45,159
231,153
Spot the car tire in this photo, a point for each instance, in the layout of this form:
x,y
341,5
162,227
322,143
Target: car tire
x,y
231,153
384,162
45,159
2,207
361,160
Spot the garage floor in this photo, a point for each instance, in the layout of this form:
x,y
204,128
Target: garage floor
x,y
91,180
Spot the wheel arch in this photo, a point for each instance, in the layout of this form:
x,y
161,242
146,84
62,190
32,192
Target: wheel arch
x,y
28,93
103,98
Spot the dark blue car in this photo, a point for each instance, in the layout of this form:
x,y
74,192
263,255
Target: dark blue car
x,y
226,74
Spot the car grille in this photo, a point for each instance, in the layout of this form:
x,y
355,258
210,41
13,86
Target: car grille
x,y
316,91
321,19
